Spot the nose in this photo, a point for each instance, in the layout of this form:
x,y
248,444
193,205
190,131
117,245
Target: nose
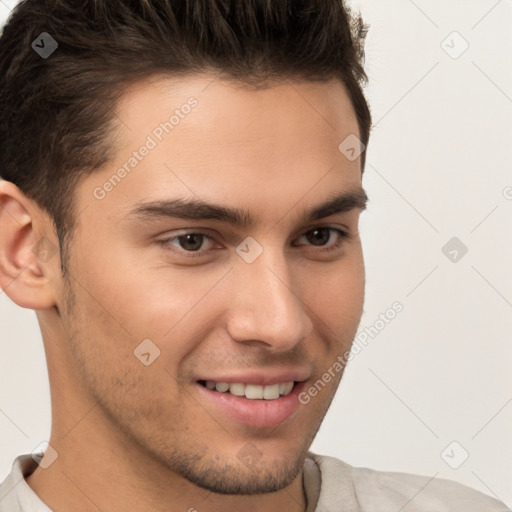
x,y
265,309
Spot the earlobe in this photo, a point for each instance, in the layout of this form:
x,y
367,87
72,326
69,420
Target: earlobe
x,y
27,253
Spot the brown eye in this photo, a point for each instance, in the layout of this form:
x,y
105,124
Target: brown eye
x,y
319,237
191,241
191,244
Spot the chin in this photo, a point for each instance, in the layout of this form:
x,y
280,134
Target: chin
x,y
242,479
248,472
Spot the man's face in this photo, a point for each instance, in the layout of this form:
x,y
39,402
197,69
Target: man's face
x,y
212,304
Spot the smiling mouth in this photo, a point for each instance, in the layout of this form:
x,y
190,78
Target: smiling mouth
x,y
250,391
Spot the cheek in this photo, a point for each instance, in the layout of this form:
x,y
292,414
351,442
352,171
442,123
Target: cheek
x,y
144,301
335,293
103,352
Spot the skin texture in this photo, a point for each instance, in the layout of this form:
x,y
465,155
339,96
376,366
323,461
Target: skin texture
x,y
136,437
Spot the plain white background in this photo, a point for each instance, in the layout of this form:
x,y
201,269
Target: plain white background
x,y
433,385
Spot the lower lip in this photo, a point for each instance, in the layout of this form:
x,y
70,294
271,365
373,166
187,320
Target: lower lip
x,y
257,413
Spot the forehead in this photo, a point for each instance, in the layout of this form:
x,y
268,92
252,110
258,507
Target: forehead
x,y
224,141
219,100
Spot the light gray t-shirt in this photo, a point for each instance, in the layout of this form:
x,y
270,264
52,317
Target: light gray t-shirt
x,y
331,485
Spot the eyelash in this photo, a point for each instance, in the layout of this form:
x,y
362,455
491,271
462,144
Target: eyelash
x,y
343,235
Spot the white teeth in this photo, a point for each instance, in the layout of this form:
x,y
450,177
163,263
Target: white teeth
x,y
252,391
271,392
287,388
237,389
222,386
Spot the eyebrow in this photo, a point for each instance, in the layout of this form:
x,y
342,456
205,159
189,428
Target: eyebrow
x,y
195,209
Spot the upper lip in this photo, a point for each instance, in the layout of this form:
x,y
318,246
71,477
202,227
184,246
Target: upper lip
x,y
261,378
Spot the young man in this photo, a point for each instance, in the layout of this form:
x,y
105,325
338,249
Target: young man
x,y
184,376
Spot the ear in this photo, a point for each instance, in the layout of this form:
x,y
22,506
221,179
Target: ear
x,y
29,256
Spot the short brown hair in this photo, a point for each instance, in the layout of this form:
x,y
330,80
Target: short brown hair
x,y
57,113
